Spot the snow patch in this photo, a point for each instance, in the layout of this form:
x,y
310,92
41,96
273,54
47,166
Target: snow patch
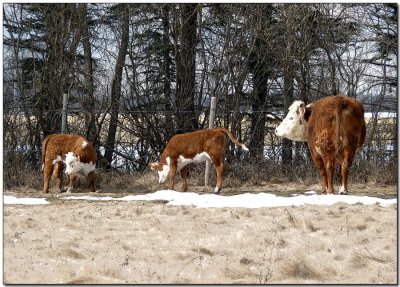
x,y
7,199
246,200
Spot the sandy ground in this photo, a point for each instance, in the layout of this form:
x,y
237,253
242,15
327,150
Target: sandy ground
x,y
92,242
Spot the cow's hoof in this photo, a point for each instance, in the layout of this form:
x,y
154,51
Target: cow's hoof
x,y
217,190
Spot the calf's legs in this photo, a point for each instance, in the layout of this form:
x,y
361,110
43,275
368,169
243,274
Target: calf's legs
x,y
90,181
219,168
47,172
184,173
172,171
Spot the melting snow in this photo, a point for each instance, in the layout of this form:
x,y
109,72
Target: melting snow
x,y
246,200
27,200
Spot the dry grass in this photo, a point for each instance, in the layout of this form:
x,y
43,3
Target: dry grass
x,y
239,177
149,242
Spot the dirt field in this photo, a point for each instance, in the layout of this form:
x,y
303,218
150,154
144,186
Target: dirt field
x,y
92,242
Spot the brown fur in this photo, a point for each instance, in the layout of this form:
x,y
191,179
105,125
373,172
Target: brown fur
x,y
211,141
59,145
336,129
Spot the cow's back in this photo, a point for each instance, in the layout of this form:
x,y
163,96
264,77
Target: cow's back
x,y
59,144
190,144
336,121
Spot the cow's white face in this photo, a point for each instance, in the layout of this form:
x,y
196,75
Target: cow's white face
x,y
294,126
162,170
74,165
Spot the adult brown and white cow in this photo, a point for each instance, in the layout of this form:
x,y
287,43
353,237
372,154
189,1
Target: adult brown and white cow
x,y
334,128
194,147
69,150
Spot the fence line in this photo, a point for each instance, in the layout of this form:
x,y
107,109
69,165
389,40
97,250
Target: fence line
x,y
137,142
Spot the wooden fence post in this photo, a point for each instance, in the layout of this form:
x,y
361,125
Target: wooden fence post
x,y
210,126
64,114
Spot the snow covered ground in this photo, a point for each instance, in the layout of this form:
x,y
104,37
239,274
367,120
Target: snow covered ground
x,y
246,200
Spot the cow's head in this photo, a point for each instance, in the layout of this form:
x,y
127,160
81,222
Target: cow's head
x,y
162,169
74,165
294,125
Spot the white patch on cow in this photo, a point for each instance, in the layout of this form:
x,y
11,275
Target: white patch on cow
x,y
163,174
201,157
342,190
74,165
318,150
57,160
216,190
84,144
293,126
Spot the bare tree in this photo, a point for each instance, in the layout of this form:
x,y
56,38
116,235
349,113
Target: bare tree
x,y
116,84
185,57
88,102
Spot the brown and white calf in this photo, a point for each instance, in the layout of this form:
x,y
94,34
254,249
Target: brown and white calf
x,y
334,129
194,147
72,151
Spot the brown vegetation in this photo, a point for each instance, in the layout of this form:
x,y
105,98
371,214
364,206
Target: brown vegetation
x,y
89,242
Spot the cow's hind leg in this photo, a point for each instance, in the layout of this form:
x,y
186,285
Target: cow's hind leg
x,y
219,168
48,168
184,173
330,173
344,171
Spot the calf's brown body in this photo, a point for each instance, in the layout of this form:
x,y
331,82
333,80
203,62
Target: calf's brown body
x,y
193,147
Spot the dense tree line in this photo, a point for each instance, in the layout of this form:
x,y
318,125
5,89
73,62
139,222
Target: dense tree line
x,y
136,74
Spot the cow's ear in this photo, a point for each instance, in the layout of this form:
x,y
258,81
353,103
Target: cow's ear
x,y
307,112
153,165
300,110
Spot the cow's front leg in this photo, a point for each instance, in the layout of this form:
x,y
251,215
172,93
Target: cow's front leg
x,y
172,171
58,167
184,173
71,179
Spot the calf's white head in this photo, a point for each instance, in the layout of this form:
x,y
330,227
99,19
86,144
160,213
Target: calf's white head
x,y
74,165
162,169
294,125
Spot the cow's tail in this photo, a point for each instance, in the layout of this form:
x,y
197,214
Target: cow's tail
x,y
339,132
233,139
44,148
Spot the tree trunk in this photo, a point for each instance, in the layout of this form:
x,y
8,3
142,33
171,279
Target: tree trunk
x,y
62,37
116,86
167,66
185,69
88,102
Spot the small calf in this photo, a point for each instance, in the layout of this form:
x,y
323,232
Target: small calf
x,y
194,147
